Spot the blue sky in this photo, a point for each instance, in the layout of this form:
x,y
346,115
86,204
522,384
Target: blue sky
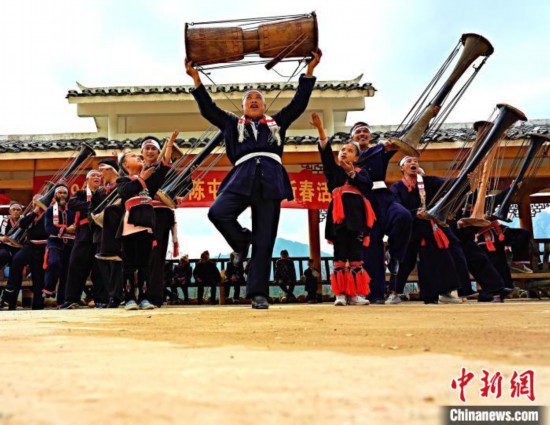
x,y
398,45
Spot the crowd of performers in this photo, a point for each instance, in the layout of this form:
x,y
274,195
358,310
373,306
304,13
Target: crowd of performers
x,y
125,257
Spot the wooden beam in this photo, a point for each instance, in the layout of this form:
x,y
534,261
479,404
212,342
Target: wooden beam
x,y
16,184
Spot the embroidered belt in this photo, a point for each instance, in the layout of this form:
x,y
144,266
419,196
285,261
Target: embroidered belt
x,y
137,200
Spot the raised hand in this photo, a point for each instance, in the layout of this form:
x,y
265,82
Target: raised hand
x,y
146,173
318,124
316,120
192,72
314,62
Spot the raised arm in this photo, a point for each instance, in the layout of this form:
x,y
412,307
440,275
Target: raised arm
x,y
78,201
208,109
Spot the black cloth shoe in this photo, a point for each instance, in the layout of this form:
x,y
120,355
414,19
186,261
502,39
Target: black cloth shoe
x,y
113,303
259,302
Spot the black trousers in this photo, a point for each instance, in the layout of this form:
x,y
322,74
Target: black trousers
x,y
500,263
479,263
6,253
461,264
311,289
136,256
520,241
224,213
200,292
395,221
82,263
163,220
111,276
236,288
437,273
57,267
348,244
32,256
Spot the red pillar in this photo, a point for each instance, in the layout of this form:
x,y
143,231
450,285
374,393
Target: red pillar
x,y
314,240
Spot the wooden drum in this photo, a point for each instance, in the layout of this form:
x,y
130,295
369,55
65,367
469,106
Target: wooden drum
x,y
289,38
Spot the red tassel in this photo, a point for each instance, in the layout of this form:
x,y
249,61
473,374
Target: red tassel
x,y
154,243
501,237
176,250
423,242
334,284
370,216
337,206
366,241
350,284
441,239
490,245
45,265
341,280
362,280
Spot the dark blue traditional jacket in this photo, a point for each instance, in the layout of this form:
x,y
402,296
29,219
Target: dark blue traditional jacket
x,y
411,199
274,179
58,236
375,161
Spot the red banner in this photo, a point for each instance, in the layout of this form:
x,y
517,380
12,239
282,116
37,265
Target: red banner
x,y
310,189
40,181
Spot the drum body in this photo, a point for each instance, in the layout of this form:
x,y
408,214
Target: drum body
x,y
287,38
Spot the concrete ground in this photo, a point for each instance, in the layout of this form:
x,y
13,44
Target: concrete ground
x,y
303,364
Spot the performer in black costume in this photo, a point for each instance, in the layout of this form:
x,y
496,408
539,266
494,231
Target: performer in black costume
x,y
30,254
437,272
109,255
392,219
60,225
82,262
165,222
7,251
350,218
254,144
136,230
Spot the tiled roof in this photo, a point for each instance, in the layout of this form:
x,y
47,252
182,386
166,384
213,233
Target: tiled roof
x,y
102,143
345,85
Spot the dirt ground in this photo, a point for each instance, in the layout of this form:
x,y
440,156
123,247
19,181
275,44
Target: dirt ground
x,y
302,364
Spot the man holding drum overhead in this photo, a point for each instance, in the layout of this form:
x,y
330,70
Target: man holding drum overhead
x,y
254,144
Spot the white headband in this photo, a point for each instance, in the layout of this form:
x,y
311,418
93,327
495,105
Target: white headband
x,y
359,127
150,142
246,93
61,187
404,159
104,166
91,172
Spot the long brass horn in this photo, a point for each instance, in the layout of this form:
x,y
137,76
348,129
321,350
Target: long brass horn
x,y
172,189
537,140
507,116
474,46
86,152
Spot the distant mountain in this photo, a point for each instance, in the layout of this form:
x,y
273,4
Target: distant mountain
x,y
295,249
